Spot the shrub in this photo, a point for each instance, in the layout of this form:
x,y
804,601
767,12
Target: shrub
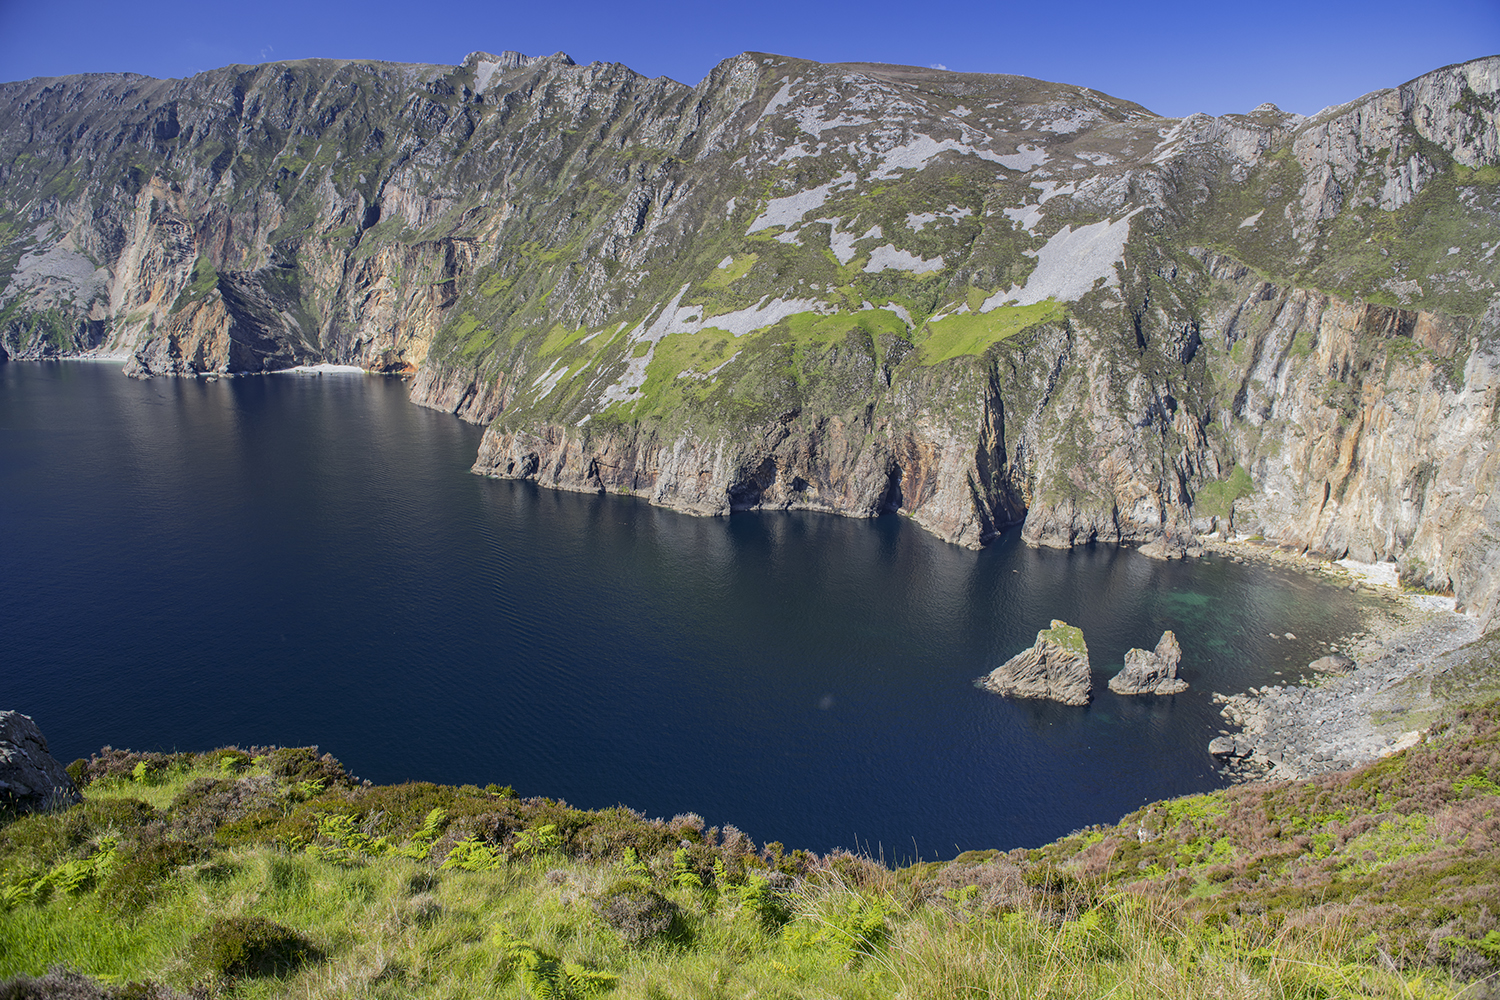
x,y
1216,499
129,765
637,911
132,881
206,804
237,947
303,764
79,772
61,984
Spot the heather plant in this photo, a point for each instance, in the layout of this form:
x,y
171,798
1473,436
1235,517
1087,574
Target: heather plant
x,y
131,881
250,946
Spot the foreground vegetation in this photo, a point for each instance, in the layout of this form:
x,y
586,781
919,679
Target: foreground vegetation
x,y
272,872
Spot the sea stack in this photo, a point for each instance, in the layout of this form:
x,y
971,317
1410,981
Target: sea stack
x,y
1148,672
1056,668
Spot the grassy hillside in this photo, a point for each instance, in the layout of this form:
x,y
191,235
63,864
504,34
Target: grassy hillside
x,y
272,872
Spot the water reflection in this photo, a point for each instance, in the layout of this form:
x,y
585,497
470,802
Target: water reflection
x,y
299,560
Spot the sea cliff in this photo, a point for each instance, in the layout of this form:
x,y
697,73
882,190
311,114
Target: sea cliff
x,y
979,300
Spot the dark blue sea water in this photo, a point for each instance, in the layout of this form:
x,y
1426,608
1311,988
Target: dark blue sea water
x,y
294,560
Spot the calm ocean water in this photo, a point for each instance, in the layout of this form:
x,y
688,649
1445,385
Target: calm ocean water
x,y
300,560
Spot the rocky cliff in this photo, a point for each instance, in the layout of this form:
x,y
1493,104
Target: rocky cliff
x,y
980,300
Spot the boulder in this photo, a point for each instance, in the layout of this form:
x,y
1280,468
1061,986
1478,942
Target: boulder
x,y
1163,548
1056,667
1229,746
31,779
1333,663
1151,672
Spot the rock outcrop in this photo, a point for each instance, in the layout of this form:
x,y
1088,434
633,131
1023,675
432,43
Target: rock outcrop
x,y
31,779
1333,663
1151,671
979,300
1056,667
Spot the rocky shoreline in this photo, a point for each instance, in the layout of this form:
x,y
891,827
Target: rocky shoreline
x,y
1411,663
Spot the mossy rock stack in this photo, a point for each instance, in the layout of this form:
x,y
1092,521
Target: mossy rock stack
x,y
1055,668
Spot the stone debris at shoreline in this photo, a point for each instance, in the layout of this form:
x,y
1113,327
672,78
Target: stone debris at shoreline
x,y
1293,731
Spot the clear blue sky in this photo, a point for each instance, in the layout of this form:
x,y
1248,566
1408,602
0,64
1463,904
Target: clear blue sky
x,y
1174,57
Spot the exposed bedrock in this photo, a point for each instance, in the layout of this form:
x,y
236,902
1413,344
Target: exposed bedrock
x,y
1055,668
1151,671
979,300
31,779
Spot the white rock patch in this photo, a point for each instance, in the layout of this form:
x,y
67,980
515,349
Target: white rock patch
x,y
921,220
811,121
59,265
672,319
916,154
1052,189
766,312
889,258
1023,159
1383,574
549,379
789,210
894,308
783,97
841,243
1072,122
1070,264
1252,220
1027,216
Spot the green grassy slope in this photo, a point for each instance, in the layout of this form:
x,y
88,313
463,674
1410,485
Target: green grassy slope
x,y
275,873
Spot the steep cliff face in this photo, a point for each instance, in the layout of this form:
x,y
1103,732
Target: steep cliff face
x,y
978,300
1368,430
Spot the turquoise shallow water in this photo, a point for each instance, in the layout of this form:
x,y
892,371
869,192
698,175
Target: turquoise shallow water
x,y
302,560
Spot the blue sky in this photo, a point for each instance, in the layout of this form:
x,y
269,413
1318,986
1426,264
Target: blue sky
x,y
1174,57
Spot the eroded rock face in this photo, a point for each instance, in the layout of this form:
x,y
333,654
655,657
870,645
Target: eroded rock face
x,y
975,299
1151,671
1056,667
31,779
